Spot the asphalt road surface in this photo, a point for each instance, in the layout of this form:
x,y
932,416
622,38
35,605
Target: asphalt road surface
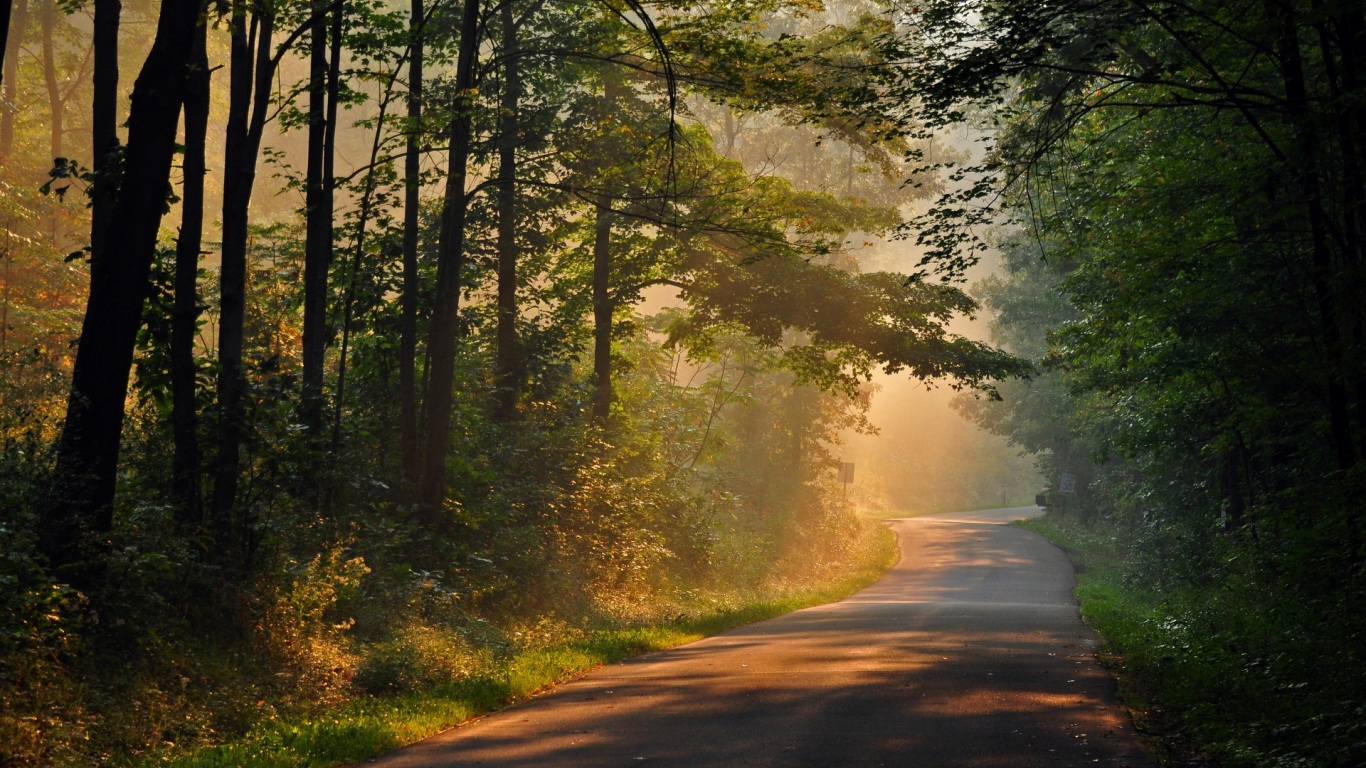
x,y
969,652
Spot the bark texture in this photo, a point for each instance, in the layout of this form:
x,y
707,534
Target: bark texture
x,y
602,309
318,238
17,28
248,105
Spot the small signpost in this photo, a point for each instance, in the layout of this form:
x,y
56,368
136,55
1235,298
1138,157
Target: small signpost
x,y
1067,486
846,474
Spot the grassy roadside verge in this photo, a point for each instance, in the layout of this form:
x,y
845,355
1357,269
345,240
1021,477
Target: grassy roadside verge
x,y
1124,617
372,726
1233,668
1119,614
1221,673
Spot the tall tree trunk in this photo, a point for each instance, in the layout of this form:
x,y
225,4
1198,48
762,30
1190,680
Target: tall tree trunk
x,y
186,465
6,9
249,101
318,239
407,346
55,103
88,449
602,278
441,337
1305,166
104,115
602,309
330,199
1351,39
1352,223
333,93
506,367
11,76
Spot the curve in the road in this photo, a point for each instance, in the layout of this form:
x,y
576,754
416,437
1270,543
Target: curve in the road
x,y
969,652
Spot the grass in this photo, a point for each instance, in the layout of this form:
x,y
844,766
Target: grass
x,y
373,726
1121,615
1226,670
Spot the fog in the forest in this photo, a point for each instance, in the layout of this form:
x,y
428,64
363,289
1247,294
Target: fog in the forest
x,y
926,457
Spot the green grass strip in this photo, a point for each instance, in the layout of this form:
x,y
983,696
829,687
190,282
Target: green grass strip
x,y
1122,614
373,726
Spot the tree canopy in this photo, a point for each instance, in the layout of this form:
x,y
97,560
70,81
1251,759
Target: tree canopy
x,y
341,328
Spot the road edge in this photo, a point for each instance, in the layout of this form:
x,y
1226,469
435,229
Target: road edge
x,y
1166,744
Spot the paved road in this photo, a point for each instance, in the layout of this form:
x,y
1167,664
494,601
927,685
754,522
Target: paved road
x,y
969,652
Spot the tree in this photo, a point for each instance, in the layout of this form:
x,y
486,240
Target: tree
x,y
506,365
252,73
249,104
5,12
1083,58
104,117
57,95
187,463
442,336
15,30
318,201
87,452
412,172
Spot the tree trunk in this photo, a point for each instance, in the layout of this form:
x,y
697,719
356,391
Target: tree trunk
x,y
333,93
506,367
186,464
441,338
56,105
104,115
330,199
407,346
88,449
5,11
602,310
12,45
1351,37
249,101
318,239
1305,167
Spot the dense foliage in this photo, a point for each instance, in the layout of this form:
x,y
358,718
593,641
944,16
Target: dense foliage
x,y
410,415
1183,259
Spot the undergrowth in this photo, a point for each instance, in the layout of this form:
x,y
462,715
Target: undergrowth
x,y
486,680
1236,668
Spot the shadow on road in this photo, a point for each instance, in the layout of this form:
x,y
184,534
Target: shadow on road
x,y
969,652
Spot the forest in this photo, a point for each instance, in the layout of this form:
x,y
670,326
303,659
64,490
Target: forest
x,y
360,353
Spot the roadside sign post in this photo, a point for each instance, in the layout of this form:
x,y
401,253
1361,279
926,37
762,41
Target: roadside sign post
x,y
846,474
1067,484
